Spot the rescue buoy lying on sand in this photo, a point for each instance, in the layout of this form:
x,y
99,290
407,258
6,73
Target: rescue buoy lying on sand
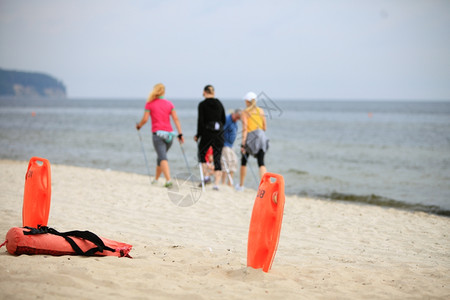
x,y
45,240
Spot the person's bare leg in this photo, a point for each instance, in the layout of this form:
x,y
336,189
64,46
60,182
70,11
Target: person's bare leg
x,y
165,169
217,177
206,173
243,174
262,170
158,172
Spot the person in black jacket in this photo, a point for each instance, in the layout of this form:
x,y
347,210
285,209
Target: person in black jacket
x,y
211,119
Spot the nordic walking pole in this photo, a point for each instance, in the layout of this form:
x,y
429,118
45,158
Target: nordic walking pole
x,y
201,174
228,171
143,152
185,159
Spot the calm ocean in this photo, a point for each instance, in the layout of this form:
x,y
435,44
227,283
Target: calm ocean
x,y
394,154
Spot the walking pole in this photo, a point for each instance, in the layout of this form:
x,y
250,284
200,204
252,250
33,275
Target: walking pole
x,y
143,152
201,174
228,171
185,159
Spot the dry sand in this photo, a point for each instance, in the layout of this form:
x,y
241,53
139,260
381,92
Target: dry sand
x,y
326,250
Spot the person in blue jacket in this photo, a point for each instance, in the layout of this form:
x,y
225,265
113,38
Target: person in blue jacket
x,y
229,158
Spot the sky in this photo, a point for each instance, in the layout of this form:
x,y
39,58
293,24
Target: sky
x,y
336,49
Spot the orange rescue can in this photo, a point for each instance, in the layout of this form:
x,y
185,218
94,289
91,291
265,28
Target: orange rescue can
x,y
265,223
37,193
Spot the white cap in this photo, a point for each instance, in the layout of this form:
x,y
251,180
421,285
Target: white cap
x,y
250,96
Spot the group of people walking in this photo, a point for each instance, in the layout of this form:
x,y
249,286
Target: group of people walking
x,y
214,130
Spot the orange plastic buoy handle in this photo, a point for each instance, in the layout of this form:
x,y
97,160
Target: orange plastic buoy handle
x,y
37,193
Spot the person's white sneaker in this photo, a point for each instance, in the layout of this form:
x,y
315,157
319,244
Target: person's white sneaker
x,y
239,188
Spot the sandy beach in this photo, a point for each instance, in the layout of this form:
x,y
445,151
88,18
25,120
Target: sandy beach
x,y
327,249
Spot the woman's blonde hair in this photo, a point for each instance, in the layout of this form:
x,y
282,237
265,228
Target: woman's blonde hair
x,y
251,106
158,91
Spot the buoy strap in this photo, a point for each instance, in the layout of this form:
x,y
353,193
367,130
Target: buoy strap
x,y
86,235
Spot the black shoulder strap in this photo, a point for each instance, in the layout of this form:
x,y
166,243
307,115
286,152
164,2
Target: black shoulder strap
x,y
86,235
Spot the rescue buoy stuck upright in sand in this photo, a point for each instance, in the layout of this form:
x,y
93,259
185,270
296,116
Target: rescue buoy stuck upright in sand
x,y
37,193
265,223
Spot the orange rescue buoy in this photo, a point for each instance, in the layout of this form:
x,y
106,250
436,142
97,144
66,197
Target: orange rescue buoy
x,y
23,241
37,193
265,223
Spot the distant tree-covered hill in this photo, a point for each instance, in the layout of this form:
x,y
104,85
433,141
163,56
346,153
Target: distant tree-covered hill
x,y
30,84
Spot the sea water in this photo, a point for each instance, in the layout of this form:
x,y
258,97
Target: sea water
x,y
389,153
